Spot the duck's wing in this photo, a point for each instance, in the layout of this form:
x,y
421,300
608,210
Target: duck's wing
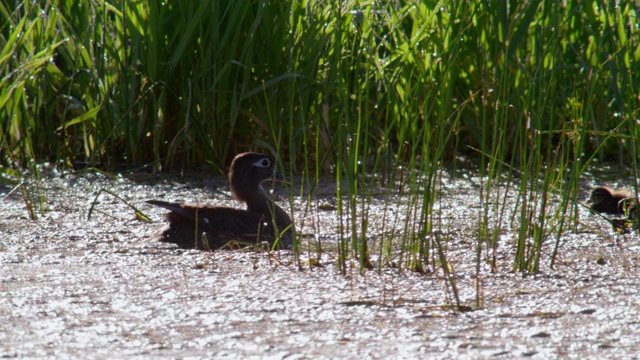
x,y
210,227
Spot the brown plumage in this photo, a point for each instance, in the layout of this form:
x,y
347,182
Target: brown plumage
x,y
606,200
212,227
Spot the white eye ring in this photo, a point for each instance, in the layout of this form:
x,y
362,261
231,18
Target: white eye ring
x,y
264,163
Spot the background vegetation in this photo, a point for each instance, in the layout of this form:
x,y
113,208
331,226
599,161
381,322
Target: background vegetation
x,y
347,88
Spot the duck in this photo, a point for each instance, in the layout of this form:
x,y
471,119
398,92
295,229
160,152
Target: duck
x,y
215,227
610,201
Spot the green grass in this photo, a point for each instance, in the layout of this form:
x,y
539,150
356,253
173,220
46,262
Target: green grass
x,y
349,89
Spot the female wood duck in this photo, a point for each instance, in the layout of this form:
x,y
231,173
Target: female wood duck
x,y
212,227
606,200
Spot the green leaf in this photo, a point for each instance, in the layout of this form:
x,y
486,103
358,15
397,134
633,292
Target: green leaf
x,y
82,118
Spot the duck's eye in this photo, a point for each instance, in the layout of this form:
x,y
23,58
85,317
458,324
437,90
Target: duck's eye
x,y
265,163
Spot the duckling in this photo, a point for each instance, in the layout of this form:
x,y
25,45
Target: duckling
x,y
610,201
212,227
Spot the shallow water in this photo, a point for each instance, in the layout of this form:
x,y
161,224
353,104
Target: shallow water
x,y
78,288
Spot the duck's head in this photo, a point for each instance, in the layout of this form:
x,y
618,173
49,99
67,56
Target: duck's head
x,y
248,170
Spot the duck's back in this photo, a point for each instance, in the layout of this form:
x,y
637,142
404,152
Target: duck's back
x,y
203,227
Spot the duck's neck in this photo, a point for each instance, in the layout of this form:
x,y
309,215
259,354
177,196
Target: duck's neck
x,y
261,204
